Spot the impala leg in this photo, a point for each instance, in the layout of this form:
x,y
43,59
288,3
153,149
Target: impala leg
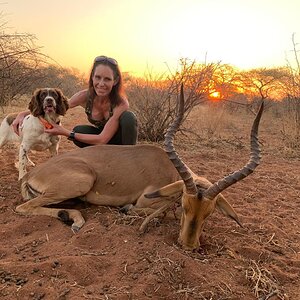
x,y
81,183
35,207
148,206
141,211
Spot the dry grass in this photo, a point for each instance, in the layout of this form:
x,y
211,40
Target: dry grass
x,y
166,269
214,126
263,283
259,261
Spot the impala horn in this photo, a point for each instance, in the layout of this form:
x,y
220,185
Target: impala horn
x,y
253,162
173,156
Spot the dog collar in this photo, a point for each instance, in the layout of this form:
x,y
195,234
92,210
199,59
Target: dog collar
x,y
45,123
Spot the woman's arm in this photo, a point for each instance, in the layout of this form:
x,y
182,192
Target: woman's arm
x,y
79,98
18,121
104,137
112,124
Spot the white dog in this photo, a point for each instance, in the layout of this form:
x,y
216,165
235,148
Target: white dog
x,y
47,105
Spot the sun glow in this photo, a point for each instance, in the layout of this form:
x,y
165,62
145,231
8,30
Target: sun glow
x,y
215,95
156,35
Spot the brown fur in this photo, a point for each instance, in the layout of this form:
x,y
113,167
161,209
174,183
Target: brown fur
x,y
47,103
36,106
102,175
127,176
10,118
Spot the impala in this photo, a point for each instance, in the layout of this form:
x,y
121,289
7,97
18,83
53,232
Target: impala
x,y
126,176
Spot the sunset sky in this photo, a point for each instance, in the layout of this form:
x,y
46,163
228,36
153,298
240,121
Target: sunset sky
x,y
154,34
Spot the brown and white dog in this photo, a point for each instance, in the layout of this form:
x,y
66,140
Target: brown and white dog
x,y
47,105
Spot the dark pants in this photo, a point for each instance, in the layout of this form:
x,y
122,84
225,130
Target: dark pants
x,y
126,134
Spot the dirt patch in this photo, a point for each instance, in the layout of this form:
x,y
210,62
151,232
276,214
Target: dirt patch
x,y
41,258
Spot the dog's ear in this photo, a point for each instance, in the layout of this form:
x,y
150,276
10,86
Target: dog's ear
x,y
35,105
63,104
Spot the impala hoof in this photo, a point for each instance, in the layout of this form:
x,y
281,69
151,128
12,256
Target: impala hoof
x,y
64,216
75,228
126,208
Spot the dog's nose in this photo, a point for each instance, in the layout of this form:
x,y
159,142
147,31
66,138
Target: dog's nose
x,y
49,100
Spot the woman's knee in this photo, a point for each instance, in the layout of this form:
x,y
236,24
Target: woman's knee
x,y
129,128
86,129
128,118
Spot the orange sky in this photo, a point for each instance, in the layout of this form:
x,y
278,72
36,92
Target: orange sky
x,y
154,34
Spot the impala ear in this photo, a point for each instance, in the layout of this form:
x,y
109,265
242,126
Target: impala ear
x,y
167,190
227,209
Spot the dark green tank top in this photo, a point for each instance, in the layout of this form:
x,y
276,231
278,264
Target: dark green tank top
x,y
88,111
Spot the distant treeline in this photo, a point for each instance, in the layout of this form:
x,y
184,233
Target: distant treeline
x,y
23,68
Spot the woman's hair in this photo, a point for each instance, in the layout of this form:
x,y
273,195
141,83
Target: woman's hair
x,y
117,93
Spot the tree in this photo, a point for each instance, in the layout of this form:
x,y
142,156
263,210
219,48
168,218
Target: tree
x,y
20,60
23,68
292,90
154,99
264,83
69,80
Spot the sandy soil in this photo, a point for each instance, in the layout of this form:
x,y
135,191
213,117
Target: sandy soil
x,y
41,258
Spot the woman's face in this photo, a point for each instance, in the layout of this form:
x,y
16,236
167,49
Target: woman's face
x,y
103,80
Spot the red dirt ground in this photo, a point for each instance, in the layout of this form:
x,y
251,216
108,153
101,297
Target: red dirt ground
x,y
41,258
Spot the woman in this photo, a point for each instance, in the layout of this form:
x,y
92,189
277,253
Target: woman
x,y
106,108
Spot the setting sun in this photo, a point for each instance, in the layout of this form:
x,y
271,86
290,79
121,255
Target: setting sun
x,y
215,95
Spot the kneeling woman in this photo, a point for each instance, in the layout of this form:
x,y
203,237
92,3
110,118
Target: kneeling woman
x,y
106,108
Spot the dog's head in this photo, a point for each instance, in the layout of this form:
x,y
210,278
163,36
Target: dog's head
x,y
48,100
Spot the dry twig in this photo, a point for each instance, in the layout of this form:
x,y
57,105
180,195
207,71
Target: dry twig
x,y
263,283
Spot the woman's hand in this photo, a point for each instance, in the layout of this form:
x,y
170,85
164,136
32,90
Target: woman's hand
x,y
18,121
58,130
